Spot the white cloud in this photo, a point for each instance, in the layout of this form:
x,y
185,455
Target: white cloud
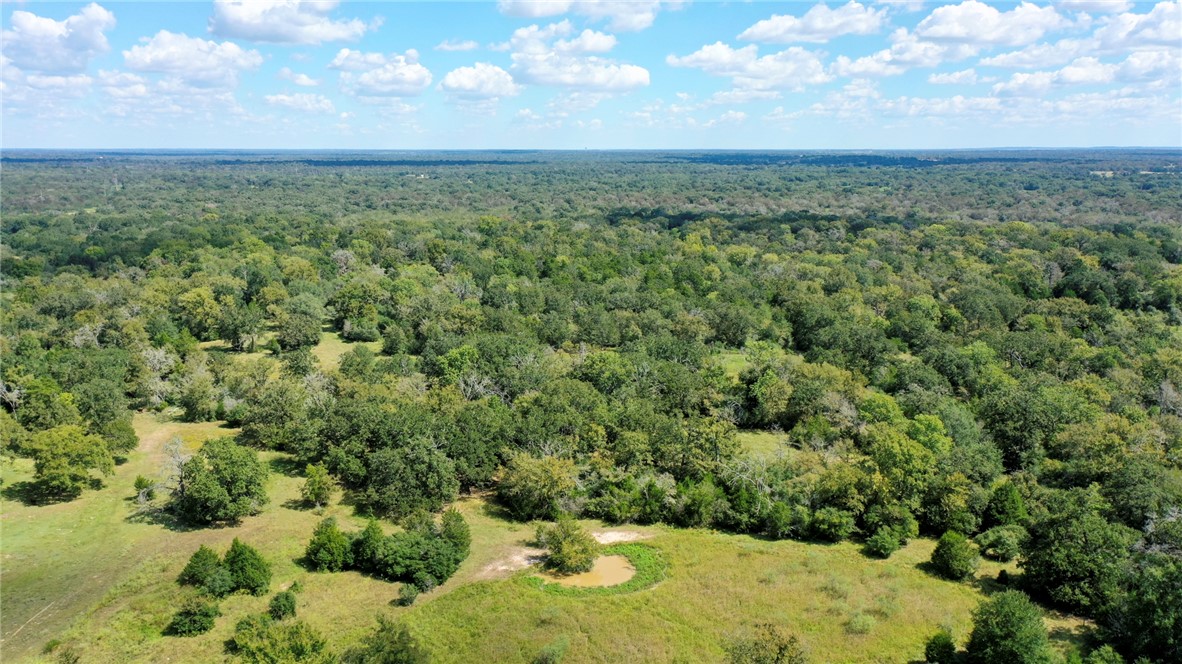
x,y
729,97
818,25
380,75
1040,55
792,69
299,79
963,77
1162,67
976,23
195,61
1095,6
727,118
902,5
905,52
622,16
122,84
588,41
449,45
539,59
283,21
309,103
36,43
480,81
1161,26
572,103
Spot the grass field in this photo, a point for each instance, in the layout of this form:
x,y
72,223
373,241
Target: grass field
x,y
103,583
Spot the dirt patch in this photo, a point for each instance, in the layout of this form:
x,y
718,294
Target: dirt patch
x,y
617,536
608,571
518,559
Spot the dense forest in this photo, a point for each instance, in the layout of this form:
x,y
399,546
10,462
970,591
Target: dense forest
x,y
979,348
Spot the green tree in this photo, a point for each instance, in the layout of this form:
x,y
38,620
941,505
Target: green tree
x,y
64,456
1147,619
224,481
570,548
454,529
954,557
329,550
1008,627
248,568
405,479
940,649
1074,556
202,564
318,485
536,487
1006,507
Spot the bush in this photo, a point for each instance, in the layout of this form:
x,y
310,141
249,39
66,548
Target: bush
x,y
260,640
144,487
571,548
765,644
940,649
553,652
784,520
860,624
391,643
369,548
1008,627
329,550
407,594
220,583
248,569
283,605
196,616
222,482
883,543
954,557
1104,655
1002,543
830,524
536,487
202,564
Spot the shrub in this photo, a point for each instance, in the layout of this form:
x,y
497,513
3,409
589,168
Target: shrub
x,y
940,649
369,548
391,643
571,548
260,640
329,550
196,616
454,529
283,605
1008,627
203,563
860,623
1002,543
145,487
954,557
248,569
536,487
407,594
222,482
553,652
766,644
220,583
1104,655
1005,507
784,520
831,524
883,542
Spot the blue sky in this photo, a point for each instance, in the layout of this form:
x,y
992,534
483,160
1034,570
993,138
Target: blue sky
x,y
572,74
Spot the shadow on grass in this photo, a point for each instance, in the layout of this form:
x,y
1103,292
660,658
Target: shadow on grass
x,y
286,465
158,515
32,493
495,510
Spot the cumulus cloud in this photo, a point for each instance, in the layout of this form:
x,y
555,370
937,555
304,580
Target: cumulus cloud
x,y
1162,25
449,45
976,23
1040,55
1159,67
905,52
818,25
306,102
540,57
193,60
963,77
381,75
480,81
39,44
283,21
791,69
1095,6
727,118
629,16
299,79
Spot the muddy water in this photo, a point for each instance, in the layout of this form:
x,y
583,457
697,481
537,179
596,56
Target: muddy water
x,y
608,571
